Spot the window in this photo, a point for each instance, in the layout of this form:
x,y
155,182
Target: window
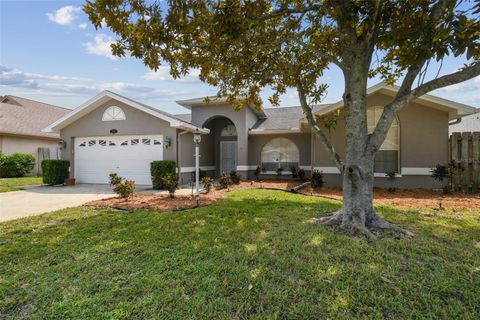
x,y
111,143
387,158
279,153
113,113
92,143
124,143
83,144
146,141
157,142
133,142
103,143
229,131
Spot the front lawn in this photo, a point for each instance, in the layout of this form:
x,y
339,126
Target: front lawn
x,y
254,254
12,184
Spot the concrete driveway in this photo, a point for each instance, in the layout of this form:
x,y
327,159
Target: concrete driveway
x,y
40,199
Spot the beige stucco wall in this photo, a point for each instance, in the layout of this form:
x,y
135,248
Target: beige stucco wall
x,y
423,142
137,122
13,144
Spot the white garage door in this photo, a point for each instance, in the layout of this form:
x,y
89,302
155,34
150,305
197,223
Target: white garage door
x,y
129,156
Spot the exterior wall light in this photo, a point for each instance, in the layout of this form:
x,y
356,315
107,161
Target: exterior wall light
x,y
167,141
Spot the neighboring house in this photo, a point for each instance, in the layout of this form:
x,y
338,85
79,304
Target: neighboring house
x,y
21,124
469,123
113,133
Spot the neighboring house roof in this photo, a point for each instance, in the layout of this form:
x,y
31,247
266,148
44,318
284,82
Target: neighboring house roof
x,y
20,116
185,117
103,97
469,123
454,109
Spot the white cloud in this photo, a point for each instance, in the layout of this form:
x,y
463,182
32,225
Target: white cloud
x,y
163,74
82,26
69,86
100,46
64,16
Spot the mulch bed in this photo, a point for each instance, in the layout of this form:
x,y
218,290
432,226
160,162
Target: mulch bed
x,y
418,198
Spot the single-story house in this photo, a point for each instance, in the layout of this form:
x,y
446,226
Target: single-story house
x,y
21,124
113,133
469,123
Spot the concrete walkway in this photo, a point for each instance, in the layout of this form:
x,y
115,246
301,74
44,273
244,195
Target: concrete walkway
x,y
36,200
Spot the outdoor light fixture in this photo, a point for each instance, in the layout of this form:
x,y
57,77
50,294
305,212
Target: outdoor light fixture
x,y
113,131
167,141
62,144
197,137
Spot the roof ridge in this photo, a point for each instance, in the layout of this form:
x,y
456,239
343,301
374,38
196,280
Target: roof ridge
x,y
48,104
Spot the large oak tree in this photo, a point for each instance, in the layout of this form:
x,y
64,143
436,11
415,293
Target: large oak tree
x,y
243,46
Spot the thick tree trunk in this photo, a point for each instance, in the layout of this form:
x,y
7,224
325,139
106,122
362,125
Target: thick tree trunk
x,y
357,215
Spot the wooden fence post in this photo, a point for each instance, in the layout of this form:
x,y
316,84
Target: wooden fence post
x,y
476,160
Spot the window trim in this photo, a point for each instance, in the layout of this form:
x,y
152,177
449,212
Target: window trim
x,y
113,113
280,162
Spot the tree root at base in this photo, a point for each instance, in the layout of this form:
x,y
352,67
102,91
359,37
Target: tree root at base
x,y
370,230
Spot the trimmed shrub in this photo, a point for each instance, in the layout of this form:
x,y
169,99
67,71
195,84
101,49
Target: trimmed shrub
x,y
16,164
160,169
316,179
55,171
294,171
224,181
234,177
124,188
170,182
207,183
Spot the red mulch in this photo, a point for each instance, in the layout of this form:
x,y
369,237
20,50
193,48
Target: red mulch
x,y
418,198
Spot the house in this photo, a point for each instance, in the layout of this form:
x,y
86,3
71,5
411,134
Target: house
x,y
21,124
469,123
113,133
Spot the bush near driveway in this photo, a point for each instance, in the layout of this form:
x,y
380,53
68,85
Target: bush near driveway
x,y
55,171
16,164
252,255
160,169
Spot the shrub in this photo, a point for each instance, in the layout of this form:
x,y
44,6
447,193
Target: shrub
x,y
257,173
391,176
207,183
440,172
294,171
316,179
123,187
201,174
224,180
16,164
234,177
279,172
160,169
170,182
55,171
301,174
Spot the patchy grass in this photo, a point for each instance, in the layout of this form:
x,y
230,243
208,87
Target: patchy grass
x,y
253,254
12,184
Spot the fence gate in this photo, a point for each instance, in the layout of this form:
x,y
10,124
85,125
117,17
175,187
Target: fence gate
x,y
465,151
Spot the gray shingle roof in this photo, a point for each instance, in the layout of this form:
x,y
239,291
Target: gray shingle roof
x,y
284,118
469,123
28,117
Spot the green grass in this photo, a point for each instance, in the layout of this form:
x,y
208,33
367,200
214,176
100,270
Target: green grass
x,y
252,255
12,184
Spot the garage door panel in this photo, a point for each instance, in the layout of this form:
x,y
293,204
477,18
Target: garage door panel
x,y
129,156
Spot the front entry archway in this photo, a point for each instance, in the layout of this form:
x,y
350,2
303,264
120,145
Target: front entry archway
x,y
223,144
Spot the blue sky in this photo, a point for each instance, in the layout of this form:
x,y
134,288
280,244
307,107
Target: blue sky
x,y
50,52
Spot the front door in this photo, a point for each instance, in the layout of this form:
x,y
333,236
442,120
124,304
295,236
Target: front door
x,y
228,156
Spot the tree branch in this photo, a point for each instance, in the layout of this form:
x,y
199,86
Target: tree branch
x,y
316,129
405,95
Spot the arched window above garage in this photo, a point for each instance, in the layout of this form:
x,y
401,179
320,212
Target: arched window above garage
x,y
113,113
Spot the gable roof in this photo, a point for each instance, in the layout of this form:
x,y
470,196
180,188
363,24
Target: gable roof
x,y
21,116
285,119
455,110
213,100
106,95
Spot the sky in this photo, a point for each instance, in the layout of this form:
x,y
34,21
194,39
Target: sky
x,y
50,52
